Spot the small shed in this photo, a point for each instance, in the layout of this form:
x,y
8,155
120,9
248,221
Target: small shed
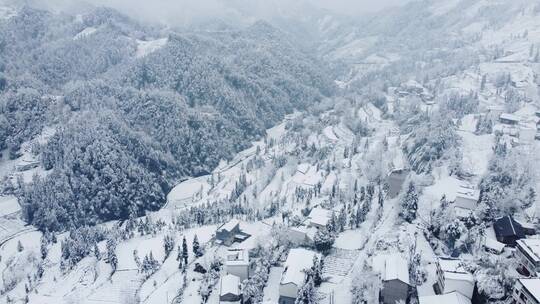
x,y
493,246
508,231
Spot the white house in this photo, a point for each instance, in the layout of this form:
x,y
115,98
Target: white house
x,y
527,291
319,217
293,276
467,197
394,272
237,263
229,290
466,200
453,297
452,276
528,255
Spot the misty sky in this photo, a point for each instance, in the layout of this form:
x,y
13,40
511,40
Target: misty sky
x,y
182,12
357,6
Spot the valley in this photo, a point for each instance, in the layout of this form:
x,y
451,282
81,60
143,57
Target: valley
x,y
393,161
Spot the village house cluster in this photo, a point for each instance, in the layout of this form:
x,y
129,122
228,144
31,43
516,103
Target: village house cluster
x,y
516,129
454,283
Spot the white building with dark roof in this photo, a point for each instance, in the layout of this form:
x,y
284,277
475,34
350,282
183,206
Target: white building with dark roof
x,y
452,276
293,277
527,291
528,255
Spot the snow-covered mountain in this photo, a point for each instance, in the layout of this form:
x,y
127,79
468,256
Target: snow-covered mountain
x,y
146,164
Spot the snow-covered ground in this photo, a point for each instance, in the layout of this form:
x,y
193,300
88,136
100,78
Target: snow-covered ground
x,y
291,170
146,47
85,33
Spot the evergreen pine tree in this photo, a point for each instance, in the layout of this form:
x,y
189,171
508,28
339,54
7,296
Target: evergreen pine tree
x,y
342,220
43,247
306,294
323,240
409,204
483,83
180,264
196,247
184,251
111,254
97,254
136,259
168,245
316,271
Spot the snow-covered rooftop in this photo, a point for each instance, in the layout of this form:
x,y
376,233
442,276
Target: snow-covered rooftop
x,y
237,257
467,191
462,212
230,225
392,267
413,84
531,247
448,298
494,245
308,231
453,270
298,260
230,284
533,286
320,216
510,117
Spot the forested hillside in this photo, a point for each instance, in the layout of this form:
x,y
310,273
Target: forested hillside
x,y
128,125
